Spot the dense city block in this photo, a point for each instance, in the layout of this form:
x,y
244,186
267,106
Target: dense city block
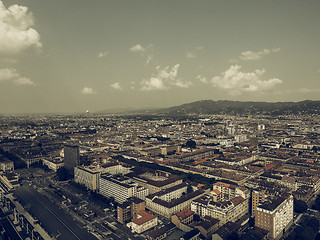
x,y
139,176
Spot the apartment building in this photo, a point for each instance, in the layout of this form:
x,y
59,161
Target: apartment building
x,y
128,211
89,177
197,154
113,168
304,193
183,219
116,188
53,164
143,222
207,226
257,198
120,188
275,216
172,200
229,191
6,165
161,233
154,181
227,211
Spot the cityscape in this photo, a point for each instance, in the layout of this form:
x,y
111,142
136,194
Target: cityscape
x,y
150,176
173,120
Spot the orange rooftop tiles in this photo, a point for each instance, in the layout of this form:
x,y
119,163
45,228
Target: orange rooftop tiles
x,y
185,213
145,217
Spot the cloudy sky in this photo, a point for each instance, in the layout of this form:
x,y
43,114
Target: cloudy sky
x,y
74,55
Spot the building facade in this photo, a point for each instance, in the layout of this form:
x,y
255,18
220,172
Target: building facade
x,y
71,158
128,211
157,204
156,181
143,222
115,188
87,177
227,211
275,216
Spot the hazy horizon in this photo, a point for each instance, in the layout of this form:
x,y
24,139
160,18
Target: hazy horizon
x,y
72,56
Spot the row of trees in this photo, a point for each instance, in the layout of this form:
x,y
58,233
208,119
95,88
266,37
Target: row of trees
x,y
308,229
316,205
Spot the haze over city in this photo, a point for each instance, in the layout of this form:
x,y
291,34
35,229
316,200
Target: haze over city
x,y
70,56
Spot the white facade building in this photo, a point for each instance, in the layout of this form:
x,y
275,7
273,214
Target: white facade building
x,y
275,216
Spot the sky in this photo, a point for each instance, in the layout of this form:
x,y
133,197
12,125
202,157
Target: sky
x,y
75,55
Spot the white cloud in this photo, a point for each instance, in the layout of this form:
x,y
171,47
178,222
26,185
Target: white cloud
x,y
8,74
182,84
11,74
116,86
236,82
88,90
143,51
250,55
16,32
102,54
137,48
24,81
153,84
202,79
164,79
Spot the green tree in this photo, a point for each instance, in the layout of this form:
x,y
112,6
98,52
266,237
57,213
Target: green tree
x,y
251,222
191,144
63,174
300,206
196,218
233,236
312,222
317,203
189,189
307,233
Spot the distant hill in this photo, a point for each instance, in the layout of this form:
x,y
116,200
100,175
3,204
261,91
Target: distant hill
x,y
242,108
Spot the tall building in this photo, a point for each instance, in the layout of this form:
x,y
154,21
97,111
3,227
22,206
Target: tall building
x,y
87,177
275,216
128,211
71,158
258,197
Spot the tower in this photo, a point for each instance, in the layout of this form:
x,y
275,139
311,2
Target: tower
x,y
71,158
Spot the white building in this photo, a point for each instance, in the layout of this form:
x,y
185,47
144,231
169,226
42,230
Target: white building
x,y
275,216
144,222
230,191
88,177
172,200
6,165
120,188
113,169
116,188
53,164
227,211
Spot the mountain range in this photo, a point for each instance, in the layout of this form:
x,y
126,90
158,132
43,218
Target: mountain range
x,y
240,108
226,107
